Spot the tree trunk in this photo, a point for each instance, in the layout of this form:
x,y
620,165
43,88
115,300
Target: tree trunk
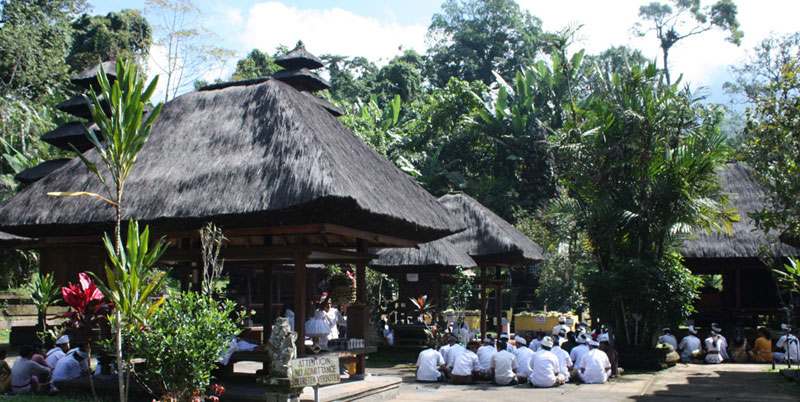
x,y
666,67
120,371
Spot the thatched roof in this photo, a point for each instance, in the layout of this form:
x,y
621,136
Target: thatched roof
x,y
302,79
88,78
299,58
7,240
243,156
489,239
39,171
70,133
745,194
438,253
78,106
325,104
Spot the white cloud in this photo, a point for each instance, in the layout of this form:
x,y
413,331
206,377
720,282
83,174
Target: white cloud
x,y
331,31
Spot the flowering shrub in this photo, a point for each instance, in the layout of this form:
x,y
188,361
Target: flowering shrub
x,y
87,302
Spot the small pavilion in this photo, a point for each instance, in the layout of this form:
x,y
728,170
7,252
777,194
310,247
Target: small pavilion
x,y
265,160
493,244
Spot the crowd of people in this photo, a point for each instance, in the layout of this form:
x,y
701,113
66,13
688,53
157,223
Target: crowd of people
x,y
38,371
714,349
538,359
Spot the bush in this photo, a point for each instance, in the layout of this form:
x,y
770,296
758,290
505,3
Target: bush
x,y
184,337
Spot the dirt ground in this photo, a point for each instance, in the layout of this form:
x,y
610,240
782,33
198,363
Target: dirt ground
x,y
725,382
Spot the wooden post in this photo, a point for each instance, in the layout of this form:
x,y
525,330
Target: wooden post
x,y
358,314
184,272
738,290
269,318
498,299
484,302
299,301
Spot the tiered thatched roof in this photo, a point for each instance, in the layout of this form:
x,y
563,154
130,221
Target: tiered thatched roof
x,y
745,194
436,254
43,169
489,239
243,156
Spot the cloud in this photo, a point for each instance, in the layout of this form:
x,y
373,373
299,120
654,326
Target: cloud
x,y
327,31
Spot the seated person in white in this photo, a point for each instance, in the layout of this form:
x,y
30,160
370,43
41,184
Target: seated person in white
x,y
565,363
545,367
524,356
452,354
444,350
61,348
430,365
26,373
713,346
73,365
690,346
504,366
723,342
467,366
577,353
595,368
388,335
562,326
668,338
485,354
234,345
790,345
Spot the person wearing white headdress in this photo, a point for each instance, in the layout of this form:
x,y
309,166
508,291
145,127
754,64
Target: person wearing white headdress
x,y
562,324
523,355
713,344
545,368
790,345
723,342
485,353
504,366
690,346
668,338
59,351
578,352
565,362
73,365
595,368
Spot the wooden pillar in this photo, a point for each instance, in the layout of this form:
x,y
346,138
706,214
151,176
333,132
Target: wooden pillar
x,y
299,301
184,271
498,299
358,314
484,302
738,290
269,317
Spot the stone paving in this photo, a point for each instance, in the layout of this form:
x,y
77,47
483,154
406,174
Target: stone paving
x,y
727,382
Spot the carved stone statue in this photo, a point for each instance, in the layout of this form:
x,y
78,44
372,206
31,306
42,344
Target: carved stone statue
x,y
281,348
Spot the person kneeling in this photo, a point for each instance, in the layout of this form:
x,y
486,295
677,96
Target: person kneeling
x,y
545,367
467,366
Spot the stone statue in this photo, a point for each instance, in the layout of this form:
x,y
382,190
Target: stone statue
x,y
281,348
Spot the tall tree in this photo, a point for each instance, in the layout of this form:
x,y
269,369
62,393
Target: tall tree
x,y
686,18
770,82
256,64
351,79
472,38
189,52
117,35
640,164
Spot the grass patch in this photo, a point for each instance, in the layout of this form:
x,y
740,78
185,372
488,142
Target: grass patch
x,y
391,356
5,334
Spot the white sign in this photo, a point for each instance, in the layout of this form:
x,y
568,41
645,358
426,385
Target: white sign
x,y
540,319
311,371
412,277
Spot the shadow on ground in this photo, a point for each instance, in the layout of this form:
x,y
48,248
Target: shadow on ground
x,y
723,385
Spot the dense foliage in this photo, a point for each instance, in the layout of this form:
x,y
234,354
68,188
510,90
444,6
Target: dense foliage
x,y
181,343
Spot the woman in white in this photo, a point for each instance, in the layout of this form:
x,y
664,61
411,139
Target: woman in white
x,y
320,326
713,347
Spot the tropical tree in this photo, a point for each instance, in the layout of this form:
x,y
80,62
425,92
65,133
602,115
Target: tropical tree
x,y
256,64
118,35
770,83
680,19
639,165
124,133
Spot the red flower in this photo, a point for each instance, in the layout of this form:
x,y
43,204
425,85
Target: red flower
x,y
86,300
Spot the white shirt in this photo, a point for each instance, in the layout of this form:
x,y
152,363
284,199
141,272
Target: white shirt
x,y
577,353
333,321
595,367
485,354
669,339
535,344
564,361
689,345
53,355
428,364
557,329
464,334
544,366
22,372
790,345
466,362
504,363
67,369
723,347
452,354
524,356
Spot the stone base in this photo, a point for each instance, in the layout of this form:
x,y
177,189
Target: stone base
x,y
371,389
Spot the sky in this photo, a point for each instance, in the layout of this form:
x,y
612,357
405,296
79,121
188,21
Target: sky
x,y
380,29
